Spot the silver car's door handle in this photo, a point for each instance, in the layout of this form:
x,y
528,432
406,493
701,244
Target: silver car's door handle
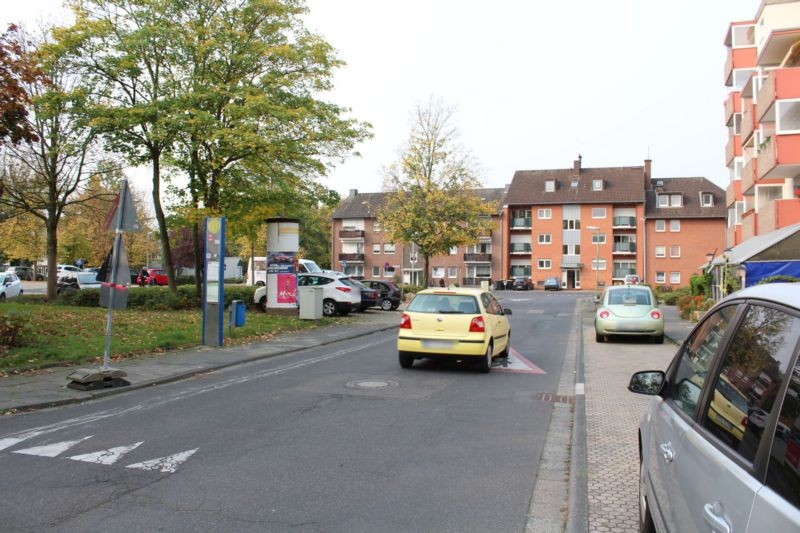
x,y
667,452
712,514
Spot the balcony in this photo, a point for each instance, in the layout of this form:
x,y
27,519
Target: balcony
x,y
351,233
749,226
571,262
356,258
780,157
474,282
733,149
748,121
733,193
749,173
520,248
624,247
778,214
521,223
478,258
738,58
777,45
778,85
624,222
620,273
733,104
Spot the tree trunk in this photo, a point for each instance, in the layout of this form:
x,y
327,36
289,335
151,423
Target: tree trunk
x,y
52,255
198,260
166,250
424,279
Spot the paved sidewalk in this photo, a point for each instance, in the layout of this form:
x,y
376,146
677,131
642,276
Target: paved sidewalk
x,y
48,388
612,419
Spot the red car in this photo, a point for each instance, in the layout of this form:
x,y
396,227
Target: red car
x,y
155,276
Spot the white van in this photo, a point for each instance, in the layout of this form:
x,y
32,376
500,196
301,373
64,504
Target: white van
x,y
257,270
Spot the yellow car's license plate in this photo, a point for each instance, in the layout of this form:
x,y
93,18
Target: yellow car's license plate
x,y
437,344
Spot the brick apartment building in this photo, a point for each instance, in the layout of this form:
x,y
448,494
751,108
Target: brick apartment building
x,y
556,223
762,112
361,249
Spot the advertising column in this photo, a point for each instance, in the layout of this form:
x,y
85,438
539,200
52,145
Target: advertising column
x,y
283,241
213,281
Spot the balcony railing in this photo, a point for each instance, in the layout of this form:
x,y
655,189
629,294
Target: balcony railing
x,y
748,120
521,223
780,157
474,281
478,258
571,261
749,173
350,233
351,257
620,273
778,214
733,149
520,248
624,222
732,105
624,247
779,84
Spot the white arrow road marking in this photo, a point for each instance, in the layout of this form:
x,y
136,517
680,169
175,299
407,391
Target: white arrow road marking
x,y
169,463
516,362
11,441
52,450
106,457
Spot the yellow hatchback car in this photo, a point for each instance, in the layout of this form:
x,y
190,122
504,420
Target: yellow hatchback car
x,y
458,323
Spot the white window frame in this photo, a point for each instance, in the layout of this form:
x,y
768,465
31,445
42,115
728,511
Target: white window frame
x,y
598,212
544,264
376,249
706,199
661,251
376,226
675,248
662,200
778,104
452,272
676,200
661,277
602,264
544,213
549,185
437,272
453,250
389,248
675,278
598,238
661,225
545,238
675,225
744,27
597,184
376,271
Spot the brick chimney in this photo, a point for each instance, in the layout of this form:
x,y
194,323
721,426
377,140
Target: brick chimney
x,y
647,183
576,167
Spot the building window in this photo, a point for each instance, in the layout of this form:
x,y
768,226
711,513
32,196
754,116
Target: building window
x,y
663,200
571,224
574,183
737,123
571,249
376,272
661,251
740,77
598,238
437,272
597,184
598,212
788,116
376,226
376,249
661,277
601,263
452,272
453,250
736,169
675,225
675,200
545,238
743,36
545,213
388,248
675,278
674,251
388,271
549,186
661,225
544,264
707,199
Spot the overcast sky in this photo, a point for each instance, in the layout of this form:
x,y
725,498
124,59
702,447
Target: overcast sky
x,y
534,82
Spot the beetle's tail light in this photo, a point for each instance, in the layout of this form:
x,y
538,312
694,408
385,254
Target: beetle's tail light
x,y
744,421
477,325
405,322
655,314
343,289
604,314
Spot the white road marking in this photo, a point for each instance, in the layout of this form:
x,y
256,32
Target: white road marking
x,y
535,311
106,457
52,450
579,389
516,362
168,464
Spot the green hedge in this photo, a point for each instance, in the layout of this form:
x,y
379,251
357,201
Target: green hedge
x,y
158,298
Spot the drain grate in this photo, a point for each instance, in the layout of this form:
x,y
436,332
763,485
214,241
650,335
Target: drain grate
x,y
549,397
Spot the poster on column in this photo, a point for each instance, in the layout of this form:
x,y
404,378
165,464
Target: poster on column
x,y
281,266
287,288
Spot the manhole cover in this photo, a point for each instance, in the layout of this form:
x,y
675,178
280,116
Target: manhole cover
x,y
372,384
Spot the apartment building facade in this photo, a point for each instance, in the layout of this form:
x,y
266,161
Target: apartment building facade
x,y
762,113
360,248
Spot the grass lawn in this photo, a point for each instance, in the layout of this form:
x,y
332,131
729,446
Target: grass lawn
x,y
68,334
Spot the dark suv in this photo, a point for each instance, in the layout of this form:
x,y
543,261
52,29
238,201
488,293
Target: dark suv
x,y
522,283
388,293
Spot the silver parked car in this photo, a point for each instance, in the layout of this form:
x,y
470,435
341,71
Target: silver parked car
x,y
720,441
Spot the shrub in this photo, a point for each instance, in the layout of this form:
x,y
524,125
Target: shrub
x,y
157,298
685,305
13,325
778,279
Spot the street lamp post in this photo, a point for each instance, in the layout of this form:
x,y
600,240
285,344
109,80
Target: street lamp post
x,y
595,230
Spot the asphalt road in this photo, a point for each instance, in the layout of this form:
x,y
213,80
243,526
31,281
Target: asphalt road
x,y
337,438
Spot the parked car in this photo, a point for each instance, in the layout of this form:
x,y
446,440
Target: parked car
x,y
155,276
552,284
339,295
10,285
628,310
77,281
692,477
369,296
454,323
65,269
632,279
24,273
389,293
522,283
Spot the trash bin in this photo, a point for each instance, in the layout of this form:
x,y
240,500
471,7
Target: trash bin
x,y
237,313
500,285
310,301
485,285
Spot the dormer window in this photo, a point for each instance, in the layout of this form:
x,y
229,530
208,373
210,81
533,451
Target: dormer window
x,y
574,183
550,186
706,199
597,184
670,200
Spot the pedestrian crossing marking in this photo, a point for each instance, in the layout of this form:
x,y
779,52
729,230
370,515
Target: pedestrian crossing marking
x,y
515,362
168,464
52,450
106,457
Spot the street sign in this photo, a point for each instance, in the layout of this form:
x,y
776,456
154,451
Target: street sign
x,y
413,257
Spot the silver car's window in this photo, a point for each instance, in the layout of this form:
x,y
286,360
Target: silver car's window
x,y
783,472
752,372
696,358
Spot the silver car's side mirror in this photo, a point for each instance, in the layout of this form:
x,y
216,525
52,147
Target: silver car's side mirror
x,y
648,382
